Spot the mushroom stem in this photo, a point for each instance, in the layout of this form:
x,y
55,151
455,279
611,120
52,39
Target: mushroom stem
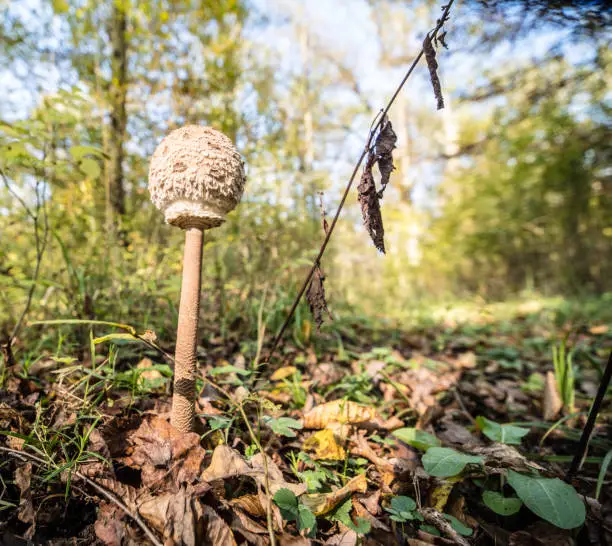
x,y
185,360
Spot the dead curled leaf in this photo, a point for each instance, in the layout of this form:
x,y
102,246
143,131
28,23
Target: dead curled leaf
x,y
321,503
384,146
552,399
27,514
164,455
315,296
338,411
432,65
370,206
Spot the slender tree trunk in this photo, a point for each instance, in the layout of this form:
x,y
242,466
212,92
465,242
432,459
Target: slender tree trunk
x,y
117,107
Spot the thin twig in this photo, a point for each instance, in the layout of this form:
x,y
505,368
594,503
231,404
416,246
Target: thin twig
x,y
40,242
585,438
104,492
381,118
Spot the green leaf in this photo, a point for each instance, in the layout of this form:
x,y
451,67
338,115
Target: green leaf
x,y
504,506
443,462
403,504
602,473
552,499
116,338
283,425
431,530
416,438
287,502
458,526
306,520
78,152
505,434
229,369
90,167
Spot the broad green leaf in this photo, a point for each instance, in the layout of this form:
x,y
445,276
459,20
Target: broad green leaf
x,y
504,506
552,499
444,462
505,434
306,520
283,425
287,502
416,438
459,526
431,530
77,152
403,504
90,167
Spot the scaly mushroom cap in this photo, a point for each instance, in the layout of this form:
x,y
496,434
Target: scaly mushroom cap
x,y
196,177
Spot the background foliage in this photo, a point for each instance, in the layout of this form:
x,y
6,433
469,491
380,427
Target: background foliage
x,y
504,192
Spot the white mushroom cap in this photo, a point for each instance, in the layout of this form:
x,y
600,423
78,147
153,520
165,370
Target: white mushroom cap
x,y
196,177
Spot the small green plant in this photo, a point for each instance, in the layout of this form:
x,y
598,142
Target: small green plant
x,y
403,509
504,434
564,375
293,510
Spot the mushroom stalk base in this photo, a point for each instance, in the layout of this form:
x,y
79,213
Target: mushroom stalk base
x,y
185,361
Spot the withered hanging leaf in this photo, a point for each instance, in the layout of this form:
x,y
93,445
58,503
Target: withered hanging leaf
x,y
316,297
370,207
442,39
385,144
432,64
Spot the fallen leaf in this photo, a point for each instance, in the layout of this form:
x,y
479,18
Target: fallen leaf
x,y
26,514
325,446
225,463
599,329
178,517
346,538
552,403
321,503
283,373
216,531
338,411
109,527
250,504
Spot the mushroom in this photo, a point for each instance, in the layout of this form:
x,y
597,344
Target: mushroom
x,y
196,177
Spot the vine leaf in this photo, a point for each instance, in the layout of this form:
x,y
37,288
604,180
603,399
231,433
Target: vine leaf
x,y
432,64
316,297
370,206
385,144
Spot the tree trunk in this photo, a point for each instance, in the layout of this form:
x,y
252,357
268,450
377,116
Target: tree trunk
x,y
117,109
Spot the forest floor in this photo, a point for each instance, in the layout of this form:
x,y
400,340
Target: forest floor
x,y
445,434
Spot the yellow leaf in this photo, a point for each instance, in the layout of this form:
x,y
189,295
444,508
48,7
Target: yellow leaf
x,y
338,411
283,373
306,329
321,503
438,497
597,330
324,444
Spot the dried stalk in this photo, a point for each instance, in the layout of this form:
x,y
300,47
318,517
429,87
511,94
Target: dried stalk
x,y
380,117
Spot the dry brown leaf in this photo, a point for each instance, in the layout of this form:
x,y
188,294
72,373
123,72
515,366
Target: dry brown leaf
x,y
384,146
325,446
165,456
216,531
552,400
321,503
249,529
345,538
599,329
275,476
500,456
225,463
109,527
362,448
315,295
26,514
370,207
250,504
338,411
177,516
432,65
